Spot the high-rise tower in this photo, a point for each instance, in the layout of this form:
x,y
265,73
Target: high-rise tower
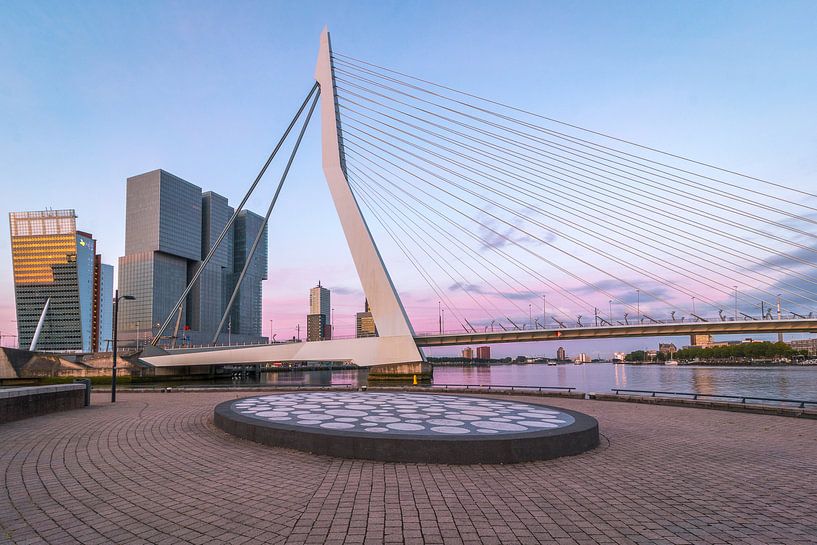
x,y
54,262
318,321
170,225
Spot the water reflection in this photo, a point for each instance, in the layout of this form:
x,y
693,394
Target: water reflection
x,y
782,382
779,382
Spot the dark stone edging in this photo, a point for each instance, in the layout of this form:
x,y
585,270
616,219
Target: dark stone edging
x,y
579,437
793,412
20,403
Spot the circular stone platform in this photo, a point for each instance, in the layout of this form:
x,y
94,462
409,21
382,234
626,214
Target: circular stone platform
x,y
408,427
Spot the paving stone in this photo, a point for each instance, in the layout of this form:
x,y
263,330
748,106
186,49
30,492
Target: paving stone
x,y
153,469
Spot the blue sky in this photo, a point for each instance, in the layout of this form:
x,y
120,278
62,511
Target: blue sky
x,y
94,92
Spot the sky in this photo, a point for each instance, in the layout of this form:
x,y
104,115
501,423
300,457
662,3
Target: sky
x,y
94,92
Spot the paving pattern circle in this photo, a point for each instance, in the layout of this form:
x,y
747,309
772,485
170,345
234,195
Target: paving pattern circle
x,y
409,427
401,413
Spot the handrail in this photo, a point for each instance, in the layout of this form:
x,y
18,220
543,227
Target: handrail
x,y
694,395
248,387
504,386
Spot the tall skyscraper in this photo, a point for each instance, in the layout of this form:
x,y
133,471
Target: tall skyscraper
x,y
170,225
561,355
54,262
318,324
246,312
483,352
364,323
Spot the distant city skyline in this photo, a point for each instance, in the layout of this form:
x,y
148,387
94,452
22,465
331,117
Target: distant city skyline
x,y
85,111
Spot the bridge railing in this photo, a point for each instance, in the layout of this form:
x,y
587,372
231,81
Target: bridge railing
x,y
652,393
633,321
510,387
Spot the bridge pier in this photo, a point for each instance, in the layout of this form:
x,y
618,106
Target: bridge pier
x,y
401,372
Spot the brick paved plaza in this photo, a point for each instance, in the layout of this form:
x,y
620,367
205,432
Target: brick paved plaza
x,y
154,469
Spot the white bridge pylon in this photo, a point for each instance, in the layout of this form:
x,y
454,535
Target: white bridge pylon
x,y
395,344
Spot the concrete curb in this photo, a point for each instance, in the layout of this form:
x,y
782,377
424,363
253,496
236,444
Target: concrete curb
x,y
792,412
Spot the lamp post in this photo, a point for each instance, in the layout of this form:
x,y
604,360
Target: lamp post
x,y
440,315
116,300
611,311
638,296
736,303
544,312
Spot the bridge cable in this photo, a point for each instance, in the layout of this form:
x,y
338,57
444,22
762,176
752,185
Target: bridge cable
x,y
651,258
177,307
487,263
672,191
455,256
586,204
263,227
638,203
590,131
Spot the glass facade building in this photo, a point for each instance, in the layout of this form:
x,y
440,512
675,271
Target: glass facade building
x,y
170,226
246,312
54,262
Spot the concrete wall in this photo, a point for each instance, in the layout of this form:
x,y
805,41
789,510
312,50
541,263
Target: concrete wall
x,y
19,403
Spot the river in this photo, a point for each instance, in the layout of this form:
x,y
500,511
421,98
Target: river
x,y
789,382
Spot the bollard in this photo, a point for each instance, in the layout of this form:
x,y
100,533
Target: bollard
x,y
415,380
87,383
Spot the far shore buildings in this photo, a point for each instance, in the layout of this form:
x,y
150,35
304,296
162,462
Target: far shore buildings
x,y
170,226
483,352
54,263
809,345
561,354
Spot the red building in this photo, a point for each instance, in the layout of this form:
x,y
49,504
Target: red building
x,y
483,352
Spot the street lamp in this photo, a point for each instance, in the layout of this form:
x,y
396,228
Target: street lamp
x,y
116,300
544,311
736,303
638,295
440,315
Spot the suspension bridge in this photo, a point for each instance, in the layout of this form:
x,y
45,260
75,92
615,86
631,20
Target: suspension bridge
x,y
498,211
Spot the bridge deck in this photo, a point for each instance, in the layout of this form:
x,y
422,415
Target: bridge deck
x,y
609,332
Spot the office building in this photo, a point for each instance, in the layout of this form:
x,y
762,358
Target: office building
x,y
667,348
316,327
809,345
468,353
364,323
561,354
483,352
54,262
319,300
702,340
318,321
582,358
170,226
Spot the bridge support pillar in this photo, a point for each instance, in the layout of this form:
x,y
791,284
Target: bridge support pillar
x,y
401,372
